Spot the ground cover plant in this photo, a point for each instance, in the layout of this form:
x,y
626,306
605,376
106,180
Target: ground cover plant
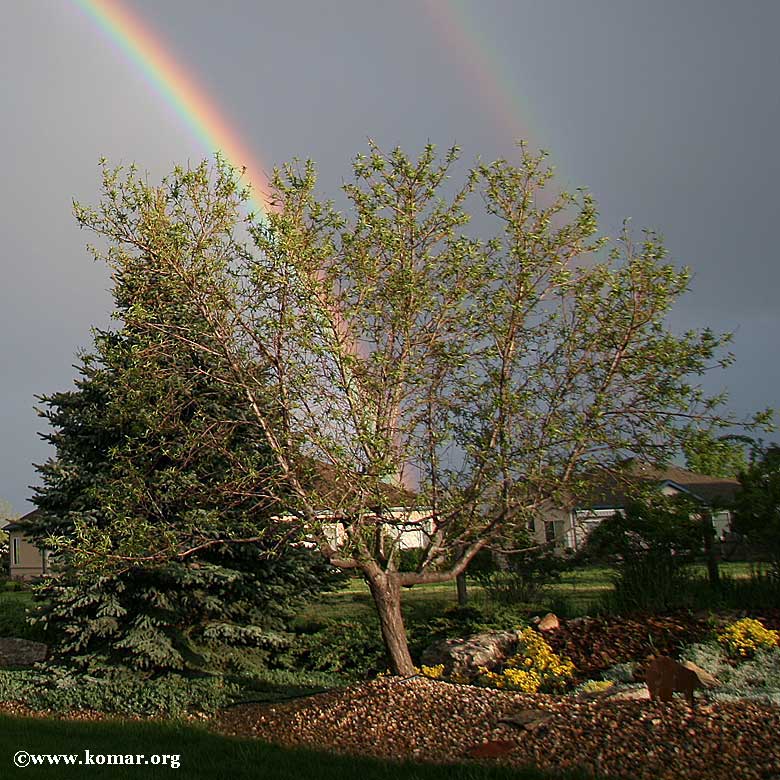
x,y
62,690
534,667
755,676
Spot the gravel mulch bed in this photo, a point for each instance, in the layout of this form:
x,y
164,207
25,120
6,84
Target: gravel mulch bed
x,y
428,720
18,710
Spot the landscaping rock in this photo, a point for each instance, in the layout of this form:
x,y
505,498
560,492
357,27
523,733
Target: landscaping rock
x,y
462,658
495,748
706,680
630,694
529,720
21,652
597,644
549,623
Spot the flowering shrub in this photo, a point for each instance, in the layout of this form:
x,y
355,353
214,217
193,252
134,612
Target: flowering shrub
x,y
535,667
743,638
434,672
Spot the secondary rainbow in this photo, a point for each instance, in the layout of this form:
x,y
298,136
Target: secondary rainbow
x,y
473,51
197,110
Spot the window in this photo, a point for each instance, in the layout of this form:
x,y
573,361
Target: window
x,y
15,544
553,532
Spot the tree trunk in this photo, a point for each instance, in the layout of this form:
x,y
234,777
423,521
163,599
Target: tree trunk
x,y
708,532
460,581
386,591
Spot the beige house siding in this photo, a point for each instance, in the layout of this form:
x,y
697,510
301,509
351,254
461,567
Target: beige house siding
x,y
552,526
27,560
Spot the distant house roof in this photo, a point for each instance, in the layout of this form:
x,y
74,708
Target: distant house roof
x,y
21,522
614,490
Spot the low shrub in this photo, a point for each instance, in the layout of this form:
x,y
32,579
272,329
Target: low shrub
x,y
126,694
14,586
649,584
619,673
520,578
649,543
13,617
461,622
347,647
410,560
594,686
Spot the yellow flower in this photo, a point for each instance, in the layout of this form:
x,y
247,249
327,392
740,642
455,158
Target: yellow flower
x,y
434,672
743,638
533,668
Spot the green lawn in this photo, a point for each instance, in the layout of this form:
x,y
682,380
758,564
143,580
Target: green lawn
x,y
353,602
581,589
203,755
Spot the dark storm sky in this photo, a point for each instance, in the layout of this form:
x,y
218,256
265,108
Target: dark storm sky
x,y
668,111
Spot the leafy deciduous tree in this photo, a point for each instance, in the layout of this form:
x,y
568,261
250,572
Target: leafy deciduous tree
x,y
717,456
485,374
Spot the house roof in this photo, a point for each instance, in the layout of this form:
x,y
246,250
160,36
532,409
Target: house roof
x,y
21,522
613,490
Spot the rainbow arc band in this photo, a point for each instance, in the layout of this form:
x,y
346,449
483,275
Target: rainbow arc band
x,y
198,111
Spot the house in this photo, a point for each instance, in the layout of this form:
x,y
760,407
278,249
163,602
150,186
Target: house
x,y
408,525
26,560
607,493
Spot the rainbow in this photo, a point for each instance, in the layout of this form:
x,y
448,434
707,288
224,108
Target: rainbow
x,y
190,101
459,31
451,21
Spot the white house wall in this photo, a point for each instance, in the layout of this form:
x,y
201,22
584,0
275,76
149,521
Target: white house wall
x,y
412,530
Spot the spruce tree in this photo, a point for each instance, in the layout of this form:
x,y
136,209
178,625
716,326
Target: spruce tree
x,y
149,442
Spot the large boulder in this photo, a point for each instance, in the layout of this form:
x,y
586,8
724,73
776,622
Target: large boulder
x,y
463,658
21,652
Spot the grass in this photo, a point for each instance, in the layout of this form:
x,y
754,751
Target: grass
x,y
578,592
353,602
580,589
206,755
